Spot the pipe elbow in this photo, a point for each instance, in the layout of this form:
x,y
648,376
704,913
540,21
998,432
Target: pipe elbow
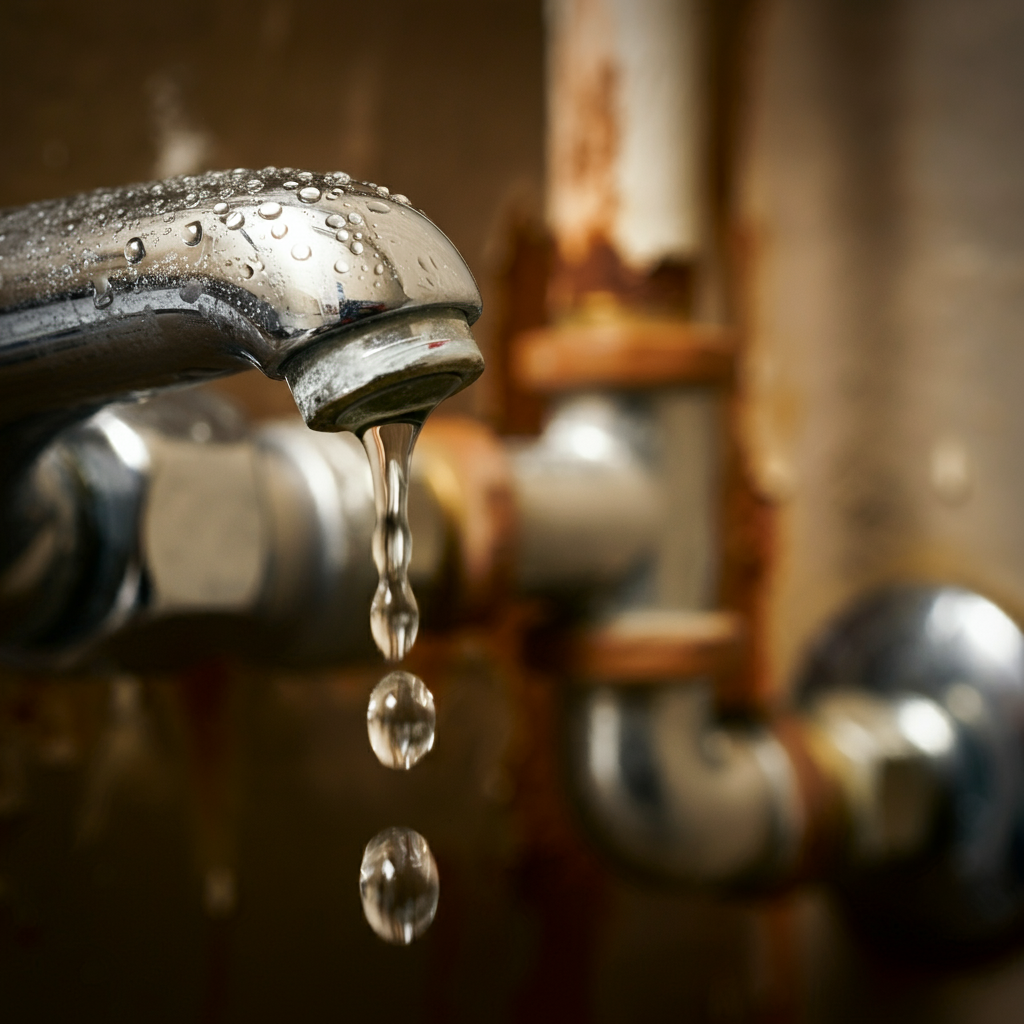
x,y
666,791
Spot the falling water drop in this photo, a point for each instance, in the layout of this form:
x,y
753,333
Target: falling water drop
x,y
134,250
400,720
192,233
398,885
394,615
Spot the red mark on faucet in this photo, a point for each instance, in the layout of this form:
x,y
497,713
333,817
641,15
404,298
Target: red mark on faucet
x,y
438,344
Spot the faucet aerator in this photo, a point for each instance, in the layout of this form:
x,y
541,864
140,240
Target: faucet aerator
x,y
395,368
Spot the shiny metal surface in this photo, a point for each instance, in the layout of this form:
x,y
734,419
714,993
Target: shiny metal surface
x,y
115,292
671,793
920,690
590,501
172,508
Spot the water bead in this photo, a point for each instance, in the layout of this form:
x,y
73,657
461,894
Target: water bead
x,y
399,885
134,250
400,720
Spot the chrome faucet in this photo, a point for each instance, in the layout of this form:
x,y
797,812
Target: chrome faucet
x,y
116,292
339,287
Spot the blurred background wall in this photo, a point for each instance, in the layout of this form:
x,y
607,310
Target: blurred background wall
x,y
179,848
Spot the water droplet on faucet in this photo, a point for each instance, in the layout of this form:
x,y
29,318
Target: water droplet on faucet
x,y
399,885
400,720
309,194
134,250
235,220
301,252
192,233
270,211
102,296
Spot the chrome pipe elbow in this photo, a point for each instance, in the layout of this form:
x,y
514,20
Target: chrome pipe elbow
x,y
669,793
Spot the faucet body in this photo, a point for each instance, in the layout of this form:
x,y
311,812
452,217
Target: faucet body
x,y
115,293
346,291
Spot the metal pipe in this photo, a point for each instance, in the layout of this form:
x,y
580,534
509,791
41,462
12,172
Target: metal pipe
x,y
671,793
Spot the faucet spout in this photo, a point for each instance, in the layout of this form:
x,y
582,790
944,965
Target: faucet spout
x,y
337,285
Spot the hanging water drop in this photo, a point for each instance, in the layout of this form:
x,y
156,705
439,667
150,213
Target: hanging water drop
x,y
102,297
400,720
134,250
394,614
398,885
192,233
